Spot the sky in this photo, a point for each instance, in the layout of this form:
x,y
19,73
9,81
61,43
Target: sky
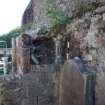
x,y
11,12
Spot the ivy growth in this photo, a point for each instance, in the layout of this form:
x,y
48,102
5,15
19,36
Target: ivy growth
x,y
54,14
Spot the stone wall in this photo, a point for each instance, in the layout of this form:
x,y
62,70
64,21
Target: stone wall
x,y
39,87
28,14
34,13
87,42
11,93
74,83
85,33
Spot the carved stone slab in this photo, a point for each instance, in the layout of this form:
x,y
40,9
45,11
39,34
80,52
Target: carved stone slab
x,y
77,84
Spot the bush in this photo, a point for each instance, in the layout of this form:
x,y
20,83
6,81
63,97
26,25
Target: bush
x,y
12,34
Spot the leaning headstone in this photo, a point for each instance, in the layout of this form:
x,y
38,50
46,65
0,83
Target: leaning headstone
x,y
77,87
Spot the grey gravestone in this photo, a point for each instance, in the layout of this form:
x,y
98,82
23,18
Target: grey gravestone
x,y
77,87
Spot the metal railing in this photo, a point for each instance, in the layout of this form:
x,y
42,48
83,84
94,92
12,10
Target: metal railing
x,y
9,51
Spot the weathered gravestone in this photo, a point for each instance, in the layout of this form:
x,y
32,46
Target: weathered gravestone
x,y
77,87
38,86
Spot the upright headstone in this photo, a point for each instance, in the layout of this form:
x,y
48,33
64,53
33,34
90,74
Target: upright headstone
x,y
77,86
18,46
58,49
14,56
24,56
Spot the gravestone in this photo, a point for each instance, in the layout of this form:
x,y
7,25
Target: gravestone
x,y
38,85
77,86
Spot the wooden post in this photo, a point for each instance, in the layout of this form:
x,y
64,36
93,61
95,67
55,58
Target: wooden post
x,y
25,60
14,56
18,56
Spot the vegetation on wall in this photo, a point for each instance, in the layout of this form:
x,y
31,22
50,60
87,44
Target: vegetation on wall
x,y
54,14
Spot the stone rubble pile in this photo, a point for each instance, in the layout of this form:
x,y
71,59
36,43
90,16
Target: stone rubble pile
x,y
11,93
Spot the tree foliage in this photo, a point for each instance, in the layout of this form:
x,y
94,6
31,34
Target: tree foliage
x,y
12,34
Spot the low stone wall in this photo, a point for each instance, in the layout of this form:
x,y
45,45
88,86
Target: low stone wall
x,y
70,84
11,93
35,88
